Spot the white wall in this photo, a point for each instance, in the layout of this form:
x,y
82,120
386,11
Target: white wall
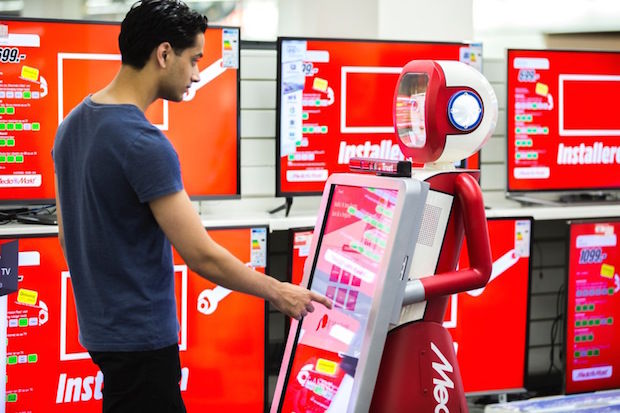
x,y
439,20
60,9
328,18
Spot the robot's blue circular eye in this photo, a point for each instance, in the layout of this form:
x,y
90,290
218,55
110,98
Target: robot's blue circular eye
x,y
465,110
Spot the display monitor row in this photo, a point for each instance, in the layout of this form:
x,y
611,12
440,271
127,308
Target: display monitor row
x,y
223,368
592,307
334,102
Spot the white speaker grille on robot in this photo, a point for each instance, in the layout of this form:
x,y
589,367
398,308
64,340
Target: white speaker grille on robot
x,y
430,221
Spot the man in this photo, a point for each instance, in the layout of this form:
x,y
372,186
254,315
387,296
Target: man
x,y
121,203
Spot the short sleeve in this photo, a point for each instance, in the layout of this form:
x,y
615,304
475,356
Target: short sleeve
x,y
152,166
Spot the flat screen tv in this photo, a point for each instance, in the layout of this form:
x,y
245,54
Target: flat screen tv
x,y
563,132
334,102
593,307
490,323
49,371
49,66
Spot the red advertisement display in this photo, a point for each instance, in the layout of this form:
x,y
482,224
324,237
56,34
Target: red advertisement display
x,y
300,248
335,102
490,324
593,308
49,371
328,343
48,67
562,133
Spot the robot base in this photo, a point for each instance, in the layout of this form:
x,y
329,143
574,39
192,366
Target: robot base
x,y
419,377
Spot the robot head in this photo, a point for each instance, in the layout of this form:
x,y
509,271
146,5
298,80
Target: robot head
x,y
444,111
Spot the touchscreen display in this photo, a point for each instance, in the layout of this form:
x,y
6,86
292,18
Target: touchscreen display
x,y
346,269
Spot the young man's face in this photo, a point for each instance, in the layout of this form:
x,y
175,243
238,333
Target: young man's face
x,y
183,71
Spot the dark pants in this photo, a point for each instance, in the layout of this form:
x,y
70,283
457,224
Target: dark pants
x,y
141,381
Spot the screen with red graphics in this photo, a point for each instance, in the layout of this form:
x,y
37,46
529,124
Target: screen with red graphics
x,y
301,240
593,307
563,130
48,67
491,323
223,368
347,270
334,102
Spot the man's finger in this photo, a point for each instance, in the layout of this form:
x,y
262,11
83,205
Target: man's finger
x,y
321,299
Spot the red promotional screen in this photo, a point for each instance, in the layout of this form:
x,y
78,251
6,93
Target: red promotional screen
x,y
222,367
48,67
335,102
563,130
329,342
593,308
300,249
489,325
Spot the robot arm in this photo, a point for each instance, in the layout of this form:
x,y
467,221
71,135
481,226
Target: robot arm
x,y
477,275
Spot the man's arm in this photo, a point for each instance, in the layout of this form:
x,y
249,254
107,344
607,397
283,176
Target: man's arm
x,y
181,224
61,232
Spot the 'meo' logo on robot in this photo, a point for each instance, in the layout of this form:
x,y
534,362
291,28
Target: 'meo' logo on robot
x,y
443,382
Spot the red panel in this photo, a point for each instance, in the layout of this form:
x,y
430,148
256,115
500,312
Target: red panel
x,y
370,87
587,104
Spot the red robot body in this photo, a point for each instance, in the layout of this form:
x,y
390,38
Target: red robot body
x,y
443,112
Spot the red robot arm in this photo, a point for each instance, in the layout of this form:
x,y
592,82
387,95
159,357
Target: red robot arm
x,y
477,275
469,195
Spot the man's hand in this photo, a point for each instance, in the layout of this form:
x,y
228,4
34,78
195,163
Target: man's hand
x,y
296,301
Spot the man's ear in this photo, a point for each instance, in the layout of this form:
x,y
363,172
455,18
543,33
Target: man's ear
x,y
162,54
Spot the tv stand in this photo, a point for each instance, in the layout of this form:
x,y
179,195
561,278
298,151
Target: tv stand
x,y
589,198
565,199
288,202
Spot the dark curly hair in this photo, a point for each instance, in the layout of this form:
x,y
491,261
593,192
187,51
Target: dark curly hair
x,y
151,22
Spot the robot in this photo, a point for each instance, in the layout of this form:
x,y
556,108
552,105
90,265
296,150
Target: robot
x,y
444,111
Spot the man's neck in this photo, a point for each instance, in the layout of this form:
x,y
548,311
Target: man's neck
x,y
130,86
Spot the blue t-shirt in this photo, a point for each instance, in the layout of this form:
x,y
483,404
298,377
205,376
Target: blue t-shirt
x,y
110,162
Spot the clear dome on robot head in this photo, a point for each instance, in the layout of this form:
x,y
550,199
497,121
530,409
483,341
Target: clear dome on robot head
x,y
444,111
